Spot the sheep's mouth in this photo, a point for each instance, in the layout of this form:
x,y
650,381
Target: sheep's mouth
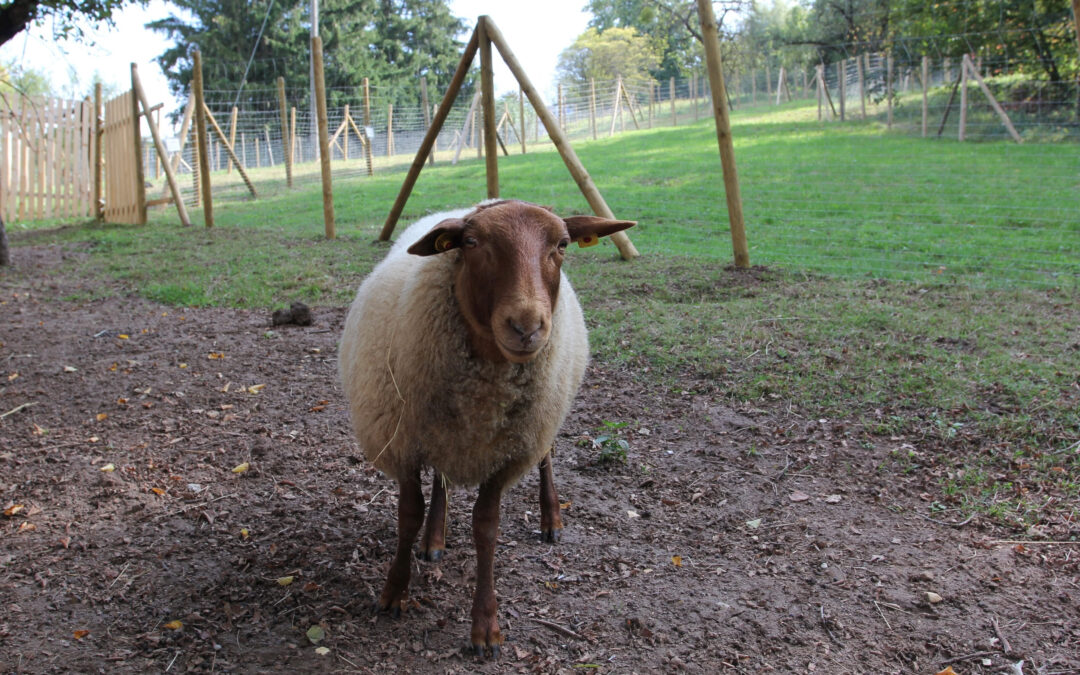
x,y
520,355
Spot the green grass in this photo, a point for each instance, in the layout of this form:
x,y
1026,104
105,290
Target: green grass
x,y
924,290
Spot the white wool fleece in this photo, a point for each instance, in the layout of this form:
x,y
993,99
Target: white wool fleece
x,y
417,395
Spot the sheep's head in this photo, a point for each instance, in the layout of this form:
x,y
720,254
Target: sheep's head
x,y
510,257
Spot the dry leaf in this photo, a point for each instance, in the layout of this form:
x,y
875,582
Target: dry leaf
x,y
798,496
13,509
322,651
122,336
933,598
948,671
70,369
241,468
101,416
108,467
833,499
676,560
80,634
244,534
316,634
38,431
175,624
157,491
255,388
12,377
285,581
215,355
754,524
27,526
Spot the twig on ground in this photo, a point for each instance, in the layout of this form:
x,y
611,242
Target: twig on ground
x,y
948,524
17,409
887,624
558,629
825,625
1005,647
1027,542
967,657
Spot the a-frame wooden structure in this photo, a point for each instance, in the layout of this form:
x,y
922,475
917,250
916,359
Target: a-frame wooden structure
x,y
484,35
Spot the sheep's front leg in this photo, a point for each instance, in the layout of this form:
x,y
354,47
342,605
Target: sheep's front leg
x,y
485,627
433,542
395,593
550,518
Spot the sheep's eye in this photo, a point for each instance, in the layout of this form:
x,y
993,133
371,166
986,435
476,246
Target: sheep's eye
x,y
469,242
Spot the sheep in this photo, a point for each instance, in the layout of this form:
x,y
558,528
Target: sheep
x,y
462,352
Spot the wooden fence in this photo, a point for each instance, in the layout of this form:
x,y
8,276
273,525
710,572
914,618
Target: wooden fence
x,y
125,192
46,146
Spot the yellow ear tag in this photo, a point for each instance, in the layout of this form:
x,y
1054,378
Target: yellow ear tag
x,y
444,242
588,240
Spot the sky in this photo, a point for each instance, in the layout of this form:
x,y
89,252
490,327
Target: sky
x,y
535,35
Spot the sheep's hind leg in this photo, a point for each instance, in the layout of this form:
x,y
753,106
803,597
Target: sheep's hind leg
x,y
485,626
550,519
395,593
433,543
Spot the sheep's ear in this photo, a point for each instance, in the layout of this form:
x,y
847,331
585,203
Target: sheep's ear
x,y
587,230
443,237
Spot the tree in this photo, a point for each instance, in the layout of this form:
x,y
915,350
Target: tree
x,y
69,17
617,52
391,42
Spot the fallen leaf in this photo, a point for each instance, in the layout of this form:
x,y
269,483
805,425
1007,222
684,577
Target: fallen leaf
x,y
70,369
833,499
933,598
322,651
244,534
754,524
633,514
27,526
241,468
38,431
101,416
122,336
215,355
311,586
255,388
316,634
13,509
948,671
12,377
285,581
158,491
175,624
80,634
676,560
108,467
798,496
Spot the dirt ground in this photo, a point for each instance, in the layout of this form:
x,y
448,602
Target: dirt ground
x,y
744,539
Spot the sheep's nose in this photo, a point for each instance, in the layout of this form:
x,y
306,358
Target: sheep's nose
x,y
526,333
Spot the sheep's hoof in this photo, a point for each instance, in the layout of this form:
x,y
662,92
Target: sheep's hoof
x,y
393,609
551,535
434,555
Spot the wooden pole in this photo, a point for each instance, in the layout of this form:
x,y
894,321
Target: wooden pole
x,y
140,96
285,138
463,137
889,90
429,137
487,104
710,36
232,135
558,138
229,150
592,106
925,89
427,115
993,101
671,95
367,125
862,85
324,146
99,205
201,137
963,100
140,177
521,119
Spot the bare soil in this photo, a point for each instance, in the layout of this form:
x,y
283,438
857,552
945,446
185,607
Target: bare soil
x,y
744,538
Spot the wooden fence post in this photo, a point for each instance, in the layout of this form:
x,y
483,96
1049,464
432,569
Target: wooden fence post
x,y
427,117
140,176
286,141
202,137
232,136
324,145
671,94
925,88
96,153
487,104
962,133
367,125
710,35
159,147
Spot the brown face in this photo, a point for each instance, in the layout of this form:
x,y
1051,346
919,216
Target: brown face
x,y
508,280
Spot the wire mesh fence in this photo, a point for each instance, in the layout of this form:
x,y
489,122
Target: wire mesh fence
x,y
1001,217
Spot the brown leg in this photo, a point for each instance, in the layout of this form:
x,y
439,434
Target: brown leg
x,y
395,593
550,519
485,627
433,542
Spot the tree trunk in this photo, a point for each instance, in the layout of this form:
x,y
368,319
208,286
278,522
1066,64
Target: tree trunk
x,y
5,252
15,17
